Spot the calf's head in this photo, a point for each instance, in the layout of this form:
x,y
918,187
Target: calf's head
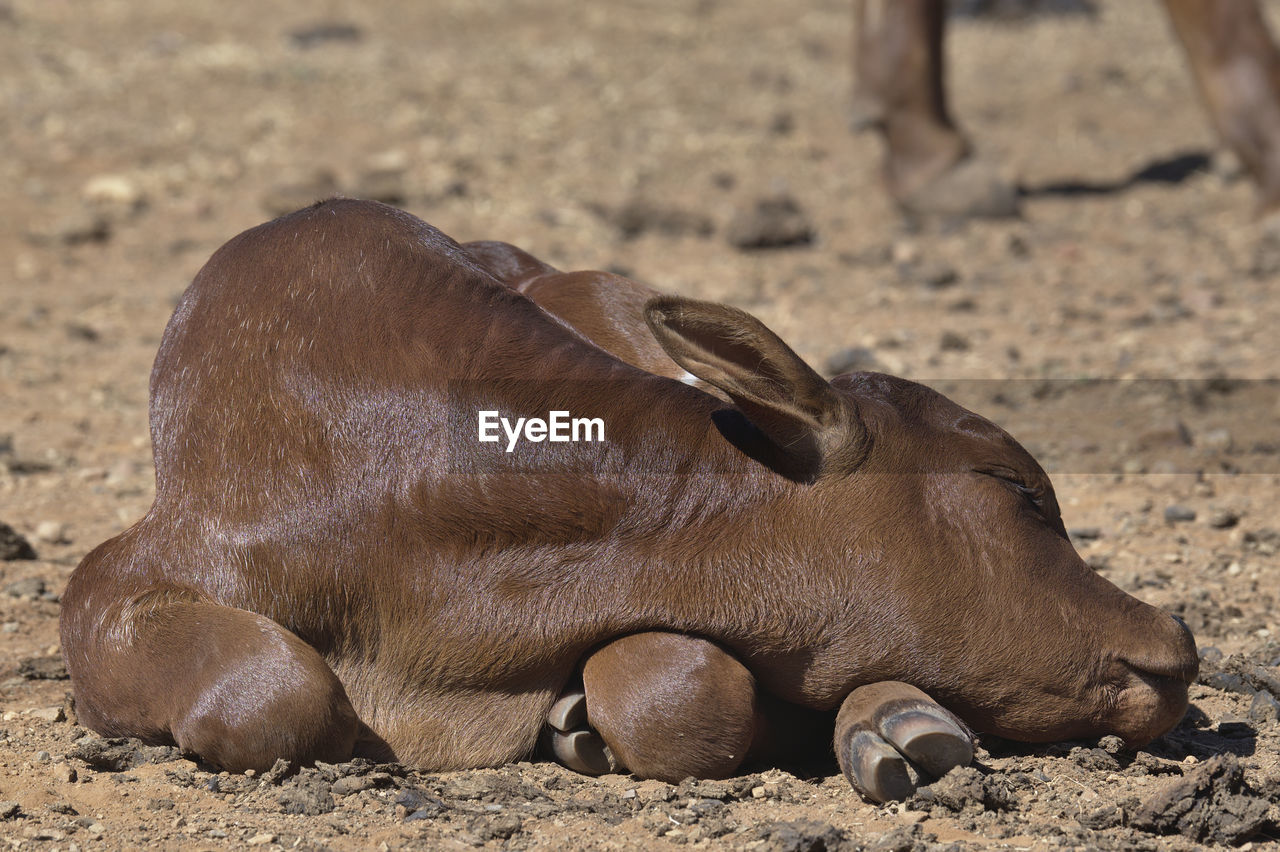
x,y
945,540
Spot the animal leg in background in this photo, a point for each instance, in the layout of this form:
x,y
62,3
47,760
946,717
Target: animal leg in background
x,y
1237,70
900,90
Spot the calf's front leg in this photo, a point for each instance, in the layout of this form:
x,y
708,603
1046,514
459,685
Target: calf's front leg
x,y
886,729
670,706
660,705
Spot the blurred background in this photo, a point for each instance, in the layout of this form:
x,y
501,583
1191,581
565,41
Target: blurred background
x,y
666,141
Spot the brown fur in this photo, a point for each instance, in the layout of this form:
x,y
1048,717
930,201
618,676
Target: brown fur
x,y
605,308
330,542
671,706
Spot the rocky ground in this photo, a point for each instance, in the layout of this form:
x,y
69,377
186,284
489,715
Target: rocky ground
x,y
1123,328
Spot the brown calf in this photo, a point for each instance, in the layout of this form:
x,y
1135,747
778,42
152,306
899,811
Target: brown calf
x,y
336,565
901,91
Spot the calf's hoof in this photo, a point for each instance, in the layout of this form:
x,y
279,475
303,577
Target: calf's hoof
x,y
571,741
891,735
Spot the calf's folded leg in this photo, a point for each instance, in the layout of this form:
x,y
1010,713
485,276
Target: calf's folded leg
x,y
666,706
669,706
884,728
232,686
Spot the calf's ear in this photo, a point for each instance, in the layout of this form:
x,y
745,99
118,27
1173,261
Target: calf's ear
x,y
815,429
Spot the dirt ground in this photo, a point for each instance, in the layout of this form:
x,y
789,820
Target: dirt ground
x,y
1124,329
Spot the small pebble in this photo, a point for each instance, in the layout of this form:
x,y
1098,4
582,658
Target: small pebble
x,y
75,228
852,359
1210,654
28,588
113,189
776,222
1178,514
1111,744
387,185
1265,708
1223,519
1217,439
904,252
350,784
13,546
1168,434
122,472
86,333
48,714
51,532
288,196
324,32
638,216
929,274
1016,246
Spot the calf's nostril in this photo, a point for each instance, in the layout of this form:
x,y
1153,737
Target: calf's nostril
x,y
1179,670
1169,652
